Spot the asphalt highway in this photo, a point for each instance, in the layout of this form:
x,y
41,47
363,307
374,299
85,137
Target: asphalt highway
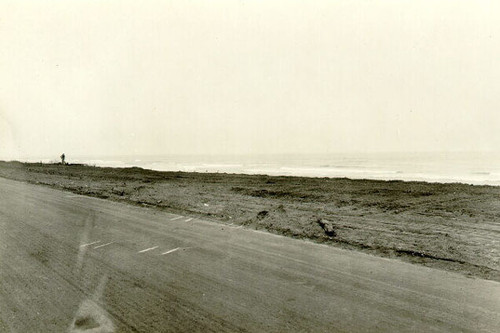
x,y
70,263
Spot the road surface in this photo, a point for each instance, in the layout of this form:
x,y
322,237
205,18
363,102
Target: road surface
x,y
81,264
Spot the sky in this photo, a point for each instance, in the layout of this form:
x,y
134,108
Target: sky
x,y
248,77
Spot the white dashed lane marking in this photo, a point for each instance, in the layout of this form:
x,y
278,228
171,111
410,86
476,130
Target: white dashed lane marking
x,y
190,219
176,218
149,249
103,245
170,251
88,244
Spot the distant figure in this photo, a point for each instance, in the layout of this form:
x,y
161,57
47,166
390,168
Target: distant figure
x,y
63,157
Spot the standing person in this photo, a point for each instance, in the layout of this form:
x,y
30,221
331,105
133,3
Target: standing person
x,y
63,157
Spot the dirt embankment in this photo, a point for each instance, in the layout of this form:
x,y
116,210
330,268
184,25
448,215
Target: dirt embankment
x,y
449,226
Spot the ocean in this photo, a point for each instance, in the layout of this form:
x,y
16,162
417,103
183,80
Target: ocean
x,y
471,168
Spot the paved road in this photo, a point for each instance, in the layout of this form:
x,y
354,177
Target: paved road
x,y
80,264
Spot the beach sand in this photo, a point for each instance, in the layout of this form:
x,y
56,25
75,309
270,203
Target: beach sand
x,y
454,227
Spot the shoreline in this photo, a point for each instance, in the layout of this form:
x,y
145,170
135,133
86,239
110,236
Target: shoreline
x,y
473,168
437,181
450,226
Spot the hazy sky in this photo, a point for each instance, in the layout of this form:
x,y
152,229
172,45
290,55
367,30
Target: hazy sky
x,y
207,77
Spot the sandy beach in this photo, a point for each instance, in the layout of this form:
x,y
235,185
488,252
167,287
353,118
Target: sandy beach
x,y
453,227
